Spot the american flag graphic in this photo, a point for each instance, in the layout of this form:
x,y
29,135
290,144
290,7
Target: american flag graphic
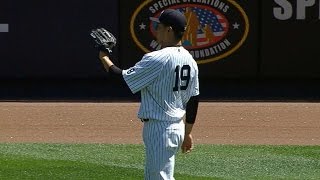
x,y
218,24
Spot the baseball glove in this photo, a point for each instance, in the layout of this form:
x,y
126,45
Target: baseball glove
x,y
104,40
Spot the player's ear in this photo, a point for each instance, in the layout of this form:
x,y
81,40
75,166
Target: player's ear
x,y
170,29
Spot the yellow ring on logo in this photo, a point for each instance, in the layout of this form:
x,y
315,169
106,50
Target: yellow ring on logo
x,y
132,26
246,32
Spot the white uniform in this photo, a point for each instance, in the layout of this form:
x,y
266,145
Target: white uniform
x,y
167,79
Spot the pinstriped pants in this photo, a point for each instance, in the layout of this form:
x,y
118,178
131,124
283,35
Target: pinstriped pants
x,y
162,141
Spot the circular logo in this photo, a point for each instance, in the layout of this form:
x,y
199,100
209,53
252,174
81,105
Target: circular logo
x,y
215,28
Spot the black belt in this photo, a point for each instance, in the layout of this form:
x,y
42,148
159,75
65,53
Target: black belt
x,y
144,120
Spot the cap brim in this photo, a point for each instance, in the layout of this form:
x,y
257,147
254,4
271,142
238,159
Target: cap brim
x,y
154,19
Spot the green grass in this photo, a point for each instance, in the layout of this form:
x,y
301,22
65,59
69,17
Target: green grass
x,y
105,161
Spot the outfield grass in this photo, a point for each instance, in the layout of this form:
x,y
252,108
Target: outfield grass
x,y
104,161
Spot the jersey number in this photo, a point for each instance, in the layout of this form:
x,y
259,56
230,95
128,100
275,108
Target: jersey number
x,y
182,75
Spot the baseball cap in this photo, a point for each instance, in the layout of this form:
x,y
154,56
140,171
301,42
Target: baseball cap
x,y
173,18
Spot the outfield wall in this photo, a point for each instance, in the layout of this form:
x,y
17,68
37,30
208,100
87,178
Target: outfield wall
x,y
248,41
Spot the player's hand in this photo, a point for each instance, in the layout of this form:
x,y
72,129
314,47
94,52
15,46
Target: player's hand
x,y
187,144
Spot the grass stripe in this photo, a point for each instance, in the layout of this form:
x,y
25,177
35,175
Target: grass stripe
x,y
106,161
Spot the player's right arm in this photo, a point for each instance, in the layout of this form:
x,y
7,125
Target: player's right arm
x,y
144,72
108,64
138,76
191,114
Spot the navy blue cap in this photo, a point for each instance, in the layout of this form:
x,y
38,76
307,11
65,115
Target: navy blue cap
x,y
173,18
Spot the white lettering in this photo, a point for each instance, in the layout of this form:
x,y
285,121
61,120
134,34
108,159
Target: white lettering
x,y
202,53
156,6
162,4
301,7
227,42
155,45
216,3
212,50
152,10
225,9
165,3
284,12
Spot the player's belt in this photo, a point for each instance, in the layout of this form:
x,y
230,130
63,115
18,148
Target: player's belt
x,y
144,120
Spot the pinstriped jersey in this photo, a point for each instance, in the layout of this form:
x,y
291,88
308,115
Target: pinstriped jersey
x,y
167,78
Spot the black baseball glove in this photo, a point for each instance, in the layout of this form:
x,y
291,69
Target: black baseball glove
x,y
104,40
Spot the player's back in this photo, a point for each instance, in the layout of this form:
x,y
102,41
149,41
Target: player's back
x,y
174,86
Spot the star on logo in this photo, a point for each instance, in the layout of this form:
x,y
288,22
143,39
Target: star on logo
x,y
142,26
235,25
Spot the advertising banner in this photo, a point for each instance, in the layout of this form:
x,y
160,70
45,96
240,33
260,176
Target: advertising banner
x,y
228,39
290,39
221,34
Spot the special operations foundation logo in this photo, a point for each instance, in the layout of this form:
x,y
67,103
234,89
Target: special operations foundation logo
x,y
216,28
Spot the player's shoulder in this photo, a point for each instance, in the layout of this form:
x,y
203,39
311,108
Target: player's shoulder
x,y
160,51
154,53
158,55
190,57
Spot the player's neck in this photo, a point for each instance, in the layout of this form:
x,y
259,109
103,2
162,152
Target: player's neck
x,y
173,44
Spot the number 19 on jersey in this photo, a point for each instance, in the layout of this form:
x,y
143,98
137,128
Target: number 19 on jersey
x,y
182,77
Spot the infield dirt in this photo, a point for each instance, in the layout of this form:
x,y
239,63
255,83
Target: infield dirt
x,y
217,123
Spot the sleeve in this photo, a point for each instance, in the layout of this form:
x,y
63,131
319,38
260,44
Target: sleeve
x,y
196,91
192,109
143,73
115,70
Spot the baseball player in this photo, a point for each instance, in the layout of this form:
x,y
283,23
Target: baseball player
x,y
169,86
